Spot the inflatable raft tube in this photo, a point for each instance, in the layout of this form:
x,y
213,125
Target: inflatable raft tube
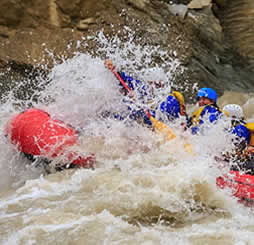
x,y
242,185
35,133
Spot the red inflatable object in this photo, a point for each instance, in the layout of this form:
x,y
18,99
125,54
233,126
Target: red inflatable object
x,y
34,132
242,185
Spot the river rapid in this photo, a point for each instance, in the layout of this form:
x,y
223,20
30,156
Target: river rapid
x,y
143,190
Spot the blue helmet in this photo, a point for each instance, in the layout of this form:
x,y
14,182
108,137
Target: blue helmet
x,y
170,107
208,93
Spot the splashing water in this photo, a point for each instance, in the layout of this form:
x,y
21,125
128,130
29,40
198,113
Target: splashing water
x,y
142,191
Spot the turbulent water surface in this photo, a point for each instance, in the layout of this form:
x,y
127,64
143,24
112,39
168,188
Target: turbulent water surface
x,y
143,190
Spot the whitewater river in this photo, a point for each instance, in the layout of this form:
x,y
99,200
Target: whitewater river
x,y
142,191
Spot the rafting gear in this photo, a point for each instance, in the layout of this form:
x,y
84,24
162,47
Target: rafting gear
x,y
161,127
250,127
174,106
233,111
35,133
208,113
180,99
239,153
242,132
170,107
242,185
239,129
207,93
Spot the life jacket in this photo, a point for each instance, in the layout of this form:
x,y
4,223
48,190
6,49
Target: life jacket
x,y
141,89
249,150
180,99
241,131
196,115
250,127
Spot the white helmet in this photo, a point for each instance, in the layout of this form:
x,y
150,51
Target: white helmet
x,y
233,111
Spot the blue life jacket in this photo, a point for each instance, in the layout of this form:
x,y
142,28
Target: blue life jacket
x,y
141,117
170,107
241,132
209,112
137,85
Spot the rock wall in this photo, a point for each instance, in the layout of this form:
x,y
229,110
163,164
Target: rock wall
x,y
238,23
213,39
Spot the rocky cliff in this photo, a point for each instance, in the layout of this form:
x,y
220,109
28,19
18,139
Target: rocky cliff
x,y
212,39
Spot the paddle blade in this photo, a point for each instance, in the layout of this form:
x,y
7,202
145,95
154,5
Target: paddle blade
x,y
162,128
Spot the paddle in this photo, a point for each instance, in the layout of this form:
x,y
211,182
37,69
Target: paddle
x,y
159,126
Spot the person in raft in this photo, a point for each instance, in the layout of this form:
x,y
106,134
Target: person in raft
x,y
36,134
242,156
208,112
173,107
